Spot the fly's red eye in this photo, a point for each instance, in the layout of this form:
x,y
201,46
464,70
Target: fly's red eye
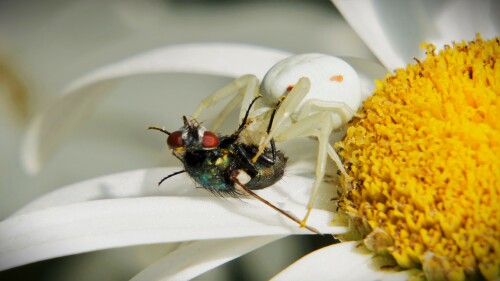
x,y
174,140
210,140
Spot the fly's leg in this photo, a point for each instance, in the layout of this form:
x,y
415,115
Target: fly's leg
x,y
268,130
245,122
171,175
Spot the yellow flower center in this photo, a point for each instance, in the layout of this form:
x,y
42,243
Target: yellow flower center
x,y
425,164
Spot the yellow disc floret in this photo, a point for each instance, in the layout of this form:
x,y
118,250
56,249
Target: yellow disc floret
x,y
425,164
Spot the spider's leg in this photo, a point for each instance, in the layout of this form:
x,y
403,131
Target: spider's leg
x,y
228,108
308,126
320,125
342,113
335,157
245,98
283,212
339,120
244,89
288,106
249,91
347,180
323,138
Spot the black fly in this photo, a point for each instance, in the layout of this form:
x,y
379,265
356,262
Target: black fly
x,y
223,165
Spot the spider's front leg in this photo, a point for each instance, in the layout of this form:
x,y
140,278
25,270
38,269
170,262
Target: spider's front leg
x,y
338,113
244,89
320,122
320,125
282,116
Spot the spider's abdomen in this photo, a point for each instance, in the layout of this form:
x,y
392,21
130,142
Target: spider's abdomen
x,y
332,79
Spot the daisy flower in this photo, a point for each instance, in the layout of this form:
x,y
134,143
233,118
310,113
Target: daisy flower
x,y
406,232
425,166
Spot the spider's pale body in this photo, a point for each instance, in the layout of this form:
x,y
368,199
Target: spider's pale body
x,y
321,94
331,80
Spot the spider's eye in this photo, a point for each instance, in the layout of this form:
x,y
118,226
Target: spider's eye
x,y
210,140
175,140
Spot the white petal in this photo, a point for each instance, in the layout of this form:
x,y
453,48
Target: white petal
x,y
102,224
66,222
195,258
292,188
77,100
343,261
129,184
394,29
231,60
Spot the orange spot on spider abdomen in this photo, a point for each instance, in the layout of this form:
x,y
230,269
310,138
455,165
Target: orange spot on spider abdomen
x,y
337,78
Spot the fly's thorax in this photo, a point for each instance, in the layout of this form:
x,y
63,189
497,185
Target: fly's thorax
x,y
211,169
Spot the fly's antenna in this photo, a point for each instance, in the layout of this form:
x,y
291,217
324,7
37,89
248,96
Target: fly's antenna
x,y
275,109
159,129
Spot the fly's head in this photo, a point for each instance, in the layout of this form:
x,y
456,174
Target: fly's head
x,y
191,137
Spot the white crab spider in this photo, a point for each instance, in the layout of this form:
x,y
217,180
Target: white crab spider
x,y
322,94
